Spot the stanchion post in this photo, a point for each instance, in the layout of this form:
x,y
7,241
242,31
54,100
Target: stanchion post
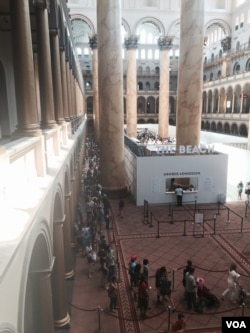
x,y
172,221
184,232
215,223
228,221
99,330
243,309
168,327
169,209
151,220
158,229
241,226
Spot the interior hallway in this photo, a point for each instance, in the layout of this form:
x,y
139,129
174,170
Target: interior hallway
x,y
222,244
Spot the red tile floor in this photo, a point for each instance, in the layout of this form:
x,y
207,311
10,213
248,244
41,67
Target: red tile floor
x,y
169,238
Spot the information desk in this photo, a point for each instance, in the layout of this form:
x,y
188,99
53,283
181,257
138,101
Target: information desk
x,y
188,196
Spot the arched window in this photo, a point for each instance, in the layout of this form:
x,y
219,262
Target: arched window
x,y
237,22
157,54
236,68
140,86
86,51
143,54
79,51
140,70
150,54
248,65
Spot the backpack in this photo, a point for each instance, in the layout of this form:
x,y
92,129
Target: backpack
x,y
165,285
131,270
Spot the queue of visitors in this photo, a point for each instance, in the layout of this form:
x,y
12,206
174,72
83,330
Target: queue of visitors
x,y
94,219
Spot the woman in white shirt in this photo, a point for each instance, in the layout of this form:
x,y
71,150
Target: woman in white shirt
x,y
232,291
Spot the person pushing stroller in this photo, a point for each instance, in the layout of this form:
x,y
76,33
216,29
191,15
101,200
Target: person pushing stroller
x,y
206,299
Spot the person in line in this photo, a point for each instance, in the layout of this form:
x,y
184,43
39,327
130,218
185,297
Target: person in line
x,y
143,296
185,270
145,269
179,325
179,194
121,205
91,258
137,276
232,291
247,190
165,289
112,293
111,261
131,270
191,286
240,189
158,274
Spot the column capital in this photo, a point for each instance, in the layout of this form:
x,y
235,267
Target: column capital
x,y
43,4
131,42
226,44
165,42
93,41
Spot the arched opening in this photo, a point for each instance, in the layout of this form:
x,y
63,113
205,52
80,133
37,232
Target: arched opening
x,y
37,290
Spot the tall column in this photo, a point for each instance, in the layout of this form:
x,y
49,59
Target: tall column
x,y
68,79
56,76
189,100
27,113
165,44
110,79
44,58
67,235
41,299
96,116
64,84
61,316
131,44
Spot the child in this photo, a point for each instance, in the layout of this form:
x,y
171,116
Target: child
x,y
179,325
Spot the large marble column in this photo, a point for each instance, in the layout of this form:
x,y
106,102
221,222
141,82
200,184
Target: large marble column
x,y
190,72
44,59
165,44
96,116
56,75
131,44
27,112
110,79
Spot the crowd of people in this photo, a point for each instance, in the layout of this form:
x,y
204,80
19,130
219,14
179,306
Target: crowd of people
x,y
93,222
147,137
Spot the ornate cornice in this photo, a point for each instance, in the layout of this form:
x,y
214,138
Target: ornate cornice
x,y
165,42
131,42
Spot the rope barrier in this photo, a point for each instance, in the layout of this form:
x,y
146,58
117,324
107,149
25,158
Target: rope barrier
x,y
158,313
